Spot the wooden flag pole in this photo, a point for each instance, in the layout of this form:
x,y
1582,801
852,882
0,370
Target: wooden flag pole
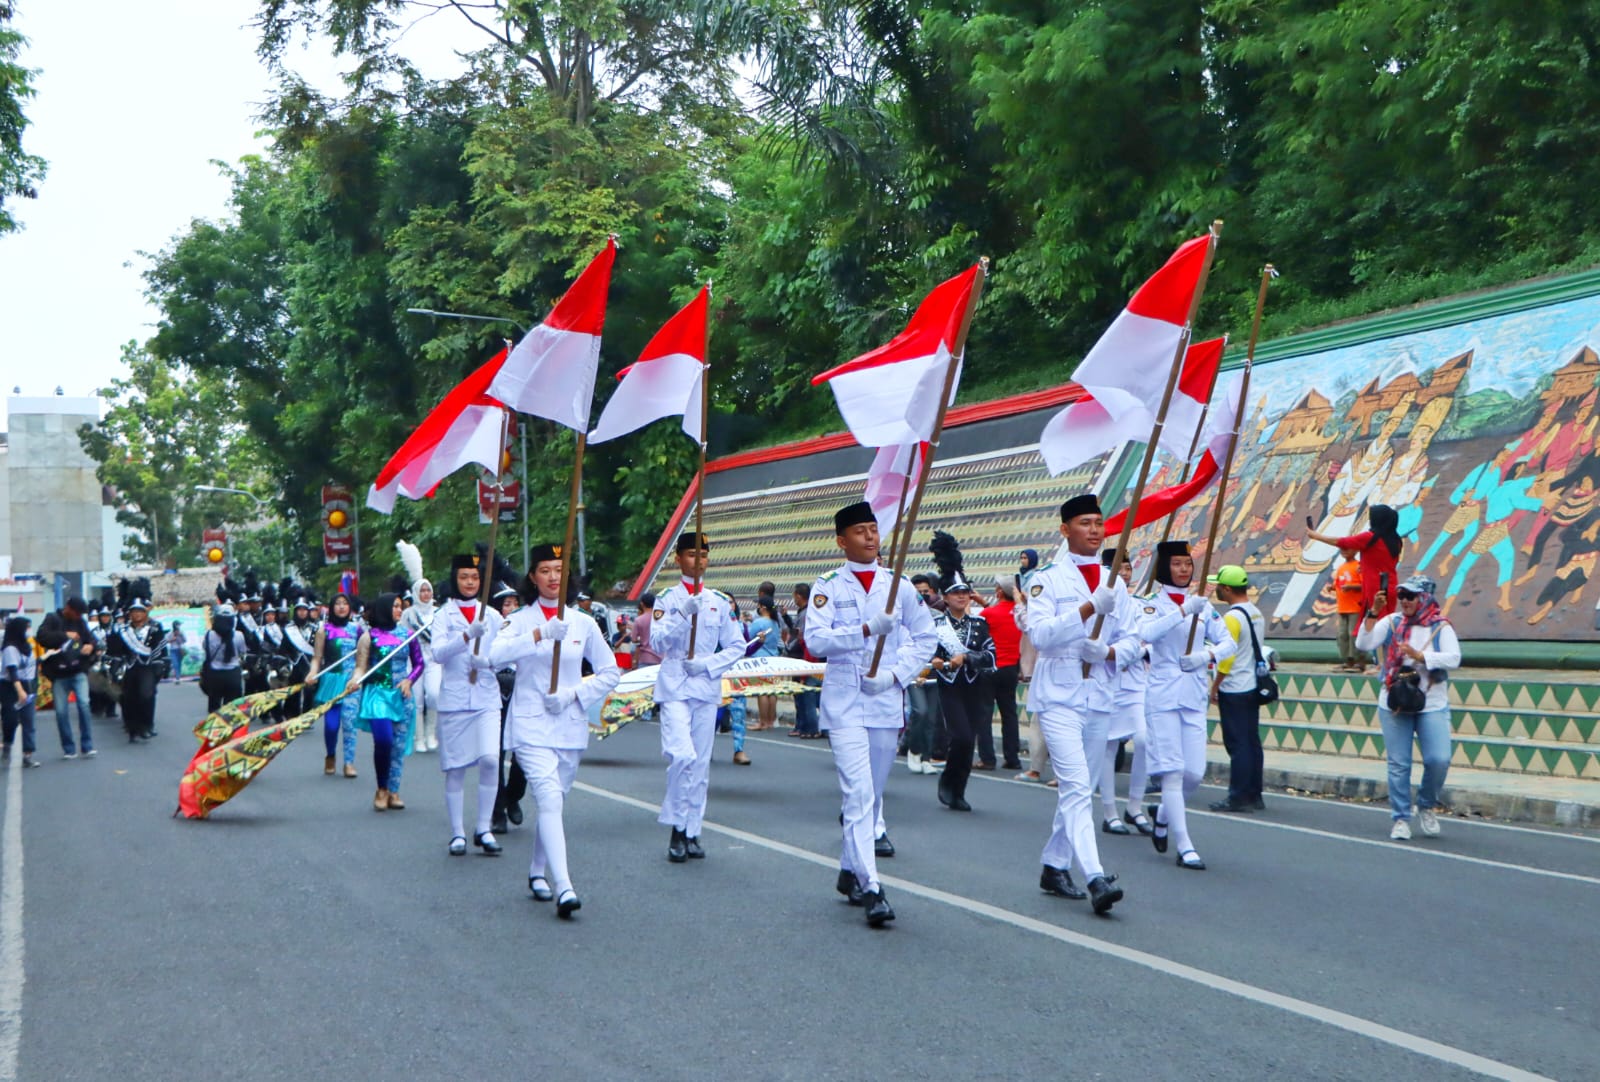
x,y
1194,445
574,505
958,348
1161,417
486,573
900,505
700,476
1267,275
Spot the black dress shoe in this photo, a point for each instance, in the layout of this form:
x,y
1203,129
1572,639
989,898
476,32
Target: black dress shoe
x,y
497,825
487,843
959,804
568,905
848,885
539,886
945,796
878,911
1058,881
691,848
1114,826
882,846
1231,806
1103,895
514,813
1134,821
1195,865
677,850
1158,835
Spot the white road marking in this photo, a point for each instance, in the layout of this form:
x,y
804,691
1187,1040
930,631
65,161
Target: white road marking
x,y
1423,849
11,924
1409,1042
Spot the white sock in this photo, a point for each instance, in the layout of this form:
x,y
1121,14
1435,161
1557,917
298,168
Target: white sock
x,y
488,787
455,782
553,842
1138,778
1173,810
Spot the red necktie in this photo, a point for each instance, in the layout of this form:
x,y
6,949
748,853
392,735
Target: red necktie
x,y
1091,575
470,612
693,587
1177,599
549,614
865,578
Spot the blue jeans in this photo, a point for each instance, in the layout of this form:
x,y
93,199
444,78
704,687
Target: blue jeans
x,y
805,708
1431,730
16,717
77,685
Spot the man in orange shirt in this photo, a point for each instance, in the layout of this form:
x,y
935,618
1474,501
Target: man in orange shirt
x,y
1347,584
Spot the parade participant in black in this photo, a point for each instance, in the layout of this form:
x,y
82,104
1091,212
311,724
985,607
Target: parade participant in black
x,y
103,692
222,654
248,622
514,783
138,648
273,646
299,638
963,661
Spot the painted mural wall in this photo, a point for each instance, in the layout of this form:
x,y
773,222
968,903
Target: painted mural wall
x,y
1481,435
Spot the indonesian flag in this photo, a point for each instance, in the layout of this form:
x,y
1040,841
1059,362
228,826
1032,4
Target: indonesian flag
x,y
462,429
1220,423
887,481
891,395
1126,372
551,372
665,380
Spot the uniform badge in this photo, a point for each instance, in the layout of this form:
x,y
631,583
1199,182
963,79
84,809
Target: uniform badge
x,y
659,614
820,600
1036,590
1150,610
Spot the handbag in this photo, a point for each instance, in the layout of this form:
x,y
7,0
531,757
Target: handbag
x,y
1266,684
1406,695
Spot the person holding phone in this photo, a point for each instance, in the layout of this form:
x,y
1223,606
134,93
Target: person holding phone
x,y
1416,645
1380,547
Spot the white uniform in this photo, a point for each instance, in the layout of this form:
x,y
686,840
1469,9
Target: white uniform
x,y
1176,700
469,711
549,745
862,728
425,696
689,703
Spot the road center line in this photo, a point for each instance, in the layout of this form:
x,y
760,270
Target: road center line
x,y
11,923
1408,1042
1421,849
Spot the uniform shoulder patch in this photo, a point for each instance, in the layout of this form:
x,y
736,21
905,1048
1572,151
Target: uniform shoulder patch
x,y
1150,610
828,575
820,600
1035,590
658,614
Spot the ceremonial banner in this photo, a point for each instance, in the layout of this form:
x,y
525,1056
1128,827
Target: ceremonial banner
x,y
665,380
215,777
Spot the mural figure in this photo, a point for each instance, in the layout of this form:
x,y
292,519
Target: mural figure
x,y
1503,498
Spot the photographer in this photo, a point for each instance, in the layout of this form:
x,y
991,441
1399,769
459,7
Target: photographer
x,y
1416,649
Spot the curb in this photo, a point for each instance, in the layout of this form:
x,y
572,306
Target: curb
x,y
1479,803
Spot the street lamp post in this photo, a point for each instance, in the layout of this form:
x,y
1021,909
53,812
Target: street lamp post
x,y
522,428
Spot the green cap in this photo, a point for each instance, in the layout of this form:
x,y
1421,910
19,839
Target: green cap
x,y
1230,575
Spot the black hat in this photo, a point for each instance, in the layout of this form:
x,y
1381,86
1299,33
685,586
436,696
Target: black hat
x,y
946,552
459,561
542,553
692,540
502,591
854,515
1084,503
1165,551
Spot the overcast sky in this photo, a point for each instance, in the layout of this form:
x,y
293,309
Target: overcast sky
x,y
135,101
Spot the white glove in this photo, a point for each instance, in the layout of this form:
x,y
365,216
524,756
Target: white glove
x,y
1198,661
1104,599
877,685
696,666
475,630
880,623
1095,651
1196,605
556,702
691,605
553,629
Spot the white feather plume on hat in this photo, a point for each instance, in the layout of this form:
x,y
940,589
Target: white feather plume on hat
x,y
411,560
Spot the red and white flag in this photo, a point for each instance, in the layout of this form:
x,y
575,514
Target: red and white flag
x,y
464,428
1126,372
891,395
893,468
665,380
551,372
1220,423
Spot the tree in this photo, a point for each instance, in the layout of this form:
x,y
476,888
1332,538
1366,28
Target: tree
x,y
20,172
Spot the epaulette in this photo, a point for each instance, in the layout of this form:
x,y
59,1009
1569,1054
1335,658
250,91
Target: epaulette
x,y
826,575
726,597
1044,567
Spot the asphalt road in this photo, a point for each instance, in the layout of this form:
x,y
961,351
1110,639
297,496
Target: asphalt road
x,y
300,935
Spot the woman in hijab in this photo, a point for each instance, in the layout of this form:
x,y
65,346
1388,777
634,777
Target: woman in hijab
x,y
336,640
386,709
222,659
1380,548
426,694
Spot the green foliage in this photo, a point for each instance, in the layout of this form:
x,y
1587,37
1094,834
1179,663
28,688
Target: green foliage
x,y
20,172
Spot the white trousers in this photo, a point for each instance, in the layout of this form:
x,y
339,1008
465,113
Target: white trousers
x,y
688,735
863,757
551,772
1096,731
427,708
1072,829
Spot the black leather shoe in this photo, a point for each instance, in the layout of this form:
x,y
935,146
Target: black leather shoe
x,y
677,850
1140,822
882,846
959,804
487,843
1230,806
945,796
1103,895
1058,881
514,813
539,886
691,849
1195,865
878,911
1158,832
497,825
458,846
568,905
847,885
1114,826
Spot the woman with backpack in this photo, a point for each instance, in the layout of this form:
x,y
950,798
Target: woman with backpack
x,y
1416,648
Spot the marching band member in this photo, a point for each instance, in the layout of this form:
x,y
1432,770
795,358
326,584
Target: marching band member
x,y
548,730
1178,695
139,649
102,690
467,700
863,714
299,638
963,661
688,690
222,654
